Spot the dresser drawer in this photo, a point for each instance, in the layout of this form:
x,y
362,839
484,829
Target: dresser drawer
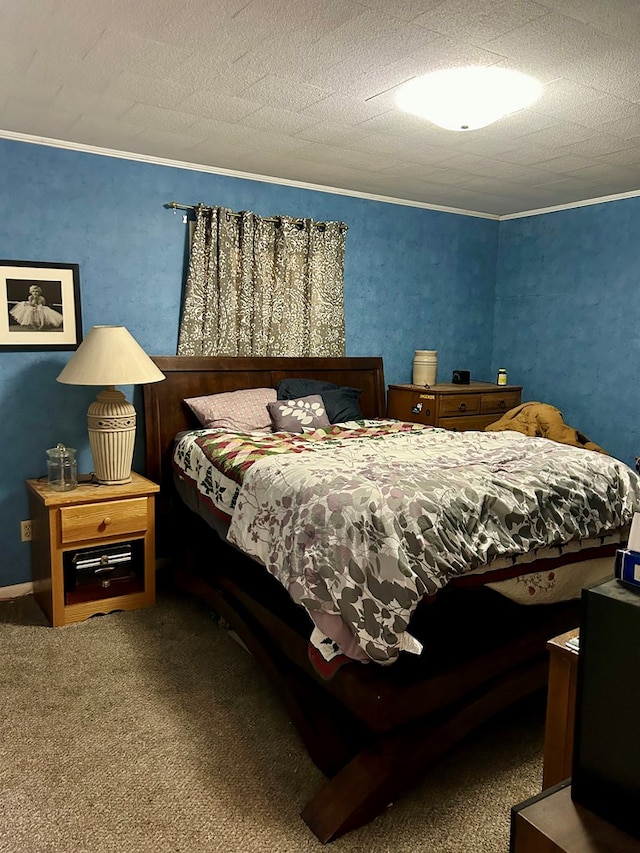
x,y
460,404
477,422
500,403
108,518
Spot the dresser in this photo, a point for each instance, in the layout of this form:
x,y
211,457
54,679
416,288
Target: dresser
x,y
458,407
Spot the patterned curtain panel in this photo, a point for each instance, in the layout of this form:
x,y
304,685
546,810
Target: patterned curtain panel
x,y
264,287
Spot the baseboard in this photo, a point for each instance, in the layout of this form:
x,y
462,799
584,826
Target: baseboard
x,y
15,591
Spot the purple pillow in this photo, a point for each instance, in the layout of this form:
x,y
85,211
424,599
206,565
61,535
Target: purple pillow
x,y
298,415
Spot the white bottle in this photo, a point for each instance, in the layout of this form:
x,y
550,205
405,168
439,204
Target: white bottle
x,y
502,377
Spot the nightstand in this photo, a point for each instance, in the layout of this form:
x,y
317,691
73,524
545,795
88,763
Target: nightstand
x,y
458,407
87,522
561,709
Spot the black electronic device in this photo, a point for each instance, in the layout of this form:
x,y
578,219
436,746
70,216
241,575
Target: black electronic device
x,y
606,753
461,377
102,572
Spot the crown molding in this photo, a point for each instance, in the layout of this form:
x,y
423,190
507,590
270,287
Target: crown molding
x,y
266,179
231,173
571,205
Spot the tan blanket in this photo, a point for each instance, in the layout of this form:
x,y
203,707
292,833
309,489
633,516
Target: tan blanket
x,y
544,421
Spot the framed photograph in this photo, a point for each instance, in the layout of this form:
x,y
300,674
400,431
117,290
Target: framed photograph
x,y
39,306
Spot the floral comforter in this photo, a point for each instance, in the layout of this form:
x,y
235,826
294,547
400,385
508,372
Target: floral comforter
x,y
363,522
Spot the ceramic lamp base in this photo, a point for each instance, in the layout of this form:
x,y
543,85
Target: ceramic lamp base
x,y
112,432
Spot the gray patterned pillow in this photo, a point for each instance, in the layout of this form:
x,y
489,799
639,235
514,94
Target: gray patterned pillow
x,y
298,415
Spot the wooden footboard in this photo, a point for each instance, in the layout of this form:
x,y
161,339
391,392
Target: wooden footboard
x,y
374,730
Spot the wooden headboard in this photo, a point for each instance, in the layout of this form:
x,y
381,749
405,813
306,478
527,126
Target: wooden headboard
x,y
166,414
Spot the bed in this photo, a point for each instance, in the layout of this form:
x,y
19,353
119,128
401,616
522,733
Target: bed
x,y
372,729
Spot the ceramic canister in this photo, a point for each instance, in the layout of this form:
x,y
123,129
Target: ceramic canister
x,y
425,367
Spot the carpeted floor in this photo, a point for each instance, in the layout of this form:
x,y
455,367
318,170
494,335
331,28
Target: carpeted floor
x,y
154,731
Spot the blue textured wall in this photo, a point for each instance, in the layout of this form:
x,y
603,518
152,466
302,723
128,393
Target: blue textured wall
x,y
414,279
567,317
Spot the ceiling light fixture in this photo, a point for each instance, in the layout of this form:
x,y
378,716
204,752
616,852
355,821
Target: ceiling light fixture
x,y
468,98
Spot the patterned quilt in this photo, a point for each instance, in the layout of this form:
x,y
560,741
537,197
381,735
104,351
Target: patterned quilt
x,y
362,522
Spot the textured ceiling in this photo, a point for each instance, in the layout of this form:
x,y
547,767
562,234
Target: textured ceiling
x,y
303,90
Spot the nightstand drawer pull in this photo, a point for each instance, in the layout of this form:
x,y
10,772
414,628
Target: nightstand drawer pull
x,y
86,521
502,404
462,407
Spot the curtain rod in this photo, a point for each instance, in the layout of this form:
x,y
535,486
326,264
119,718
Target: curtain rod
x,y
174,205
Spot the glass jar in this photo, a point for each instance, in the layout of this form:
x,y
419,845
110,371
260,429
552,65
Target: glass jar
x,y
62,469
502,377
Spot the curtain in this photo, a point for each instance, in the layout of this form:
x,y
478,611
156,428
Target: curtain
x,y
263,287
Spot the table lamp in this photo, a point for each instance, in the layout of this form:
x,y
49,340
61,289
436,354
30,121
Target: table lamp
x,y
109,355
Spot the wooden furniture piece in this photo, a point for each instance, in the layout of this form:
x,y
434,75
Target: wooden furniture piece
x,y
561,709
91,516
371,729
553,823
460,407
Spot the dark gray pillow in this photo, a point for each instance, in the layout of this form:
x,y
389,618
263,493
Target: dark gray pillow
x,y
299,414
342,404
291,389
341,401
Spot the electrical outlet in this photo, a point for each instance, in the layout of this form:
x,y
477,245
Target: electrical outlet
x,y
26,530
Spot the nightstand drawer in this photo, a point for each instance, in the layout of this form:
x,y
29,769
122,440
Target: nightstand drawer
x,y
500,402
460,404
107,518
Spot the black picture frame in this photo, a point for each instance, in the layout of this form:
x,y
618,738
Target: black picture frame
x,y
39,306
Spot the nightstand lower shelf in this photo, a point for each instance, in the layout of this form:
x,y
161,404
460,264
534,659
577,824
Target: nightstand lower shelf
x,y
80,612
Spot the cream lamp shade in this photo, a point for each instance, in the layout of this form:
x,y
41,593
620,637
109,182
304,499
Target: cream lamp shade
x,y
110,356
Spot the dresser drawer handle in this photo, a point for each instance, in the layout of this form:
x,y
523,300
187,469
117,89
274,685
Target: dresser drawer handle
x,y
106,521
462,407
502,404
